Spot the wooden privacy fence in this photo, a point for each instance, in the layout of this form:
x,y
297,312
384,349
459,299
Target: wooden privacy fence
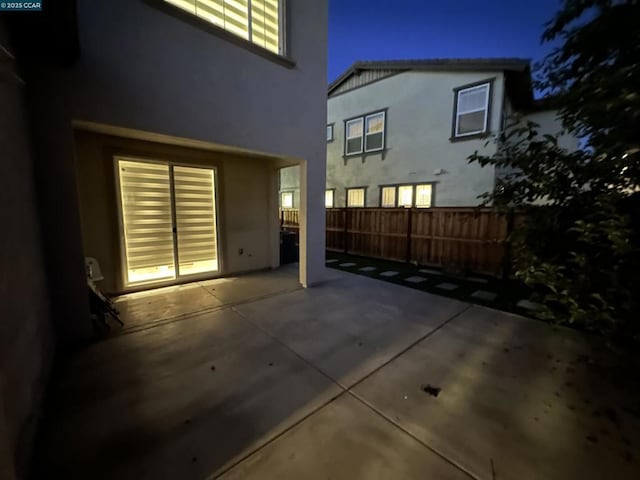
x,y
463,238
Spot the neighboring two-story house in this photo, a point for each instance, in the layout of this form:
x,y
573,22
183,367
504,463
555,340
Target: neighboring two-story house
x,y
399,132
149,135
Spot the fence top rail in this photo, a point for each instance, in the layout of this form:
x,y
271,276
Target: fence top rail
x,y
415,209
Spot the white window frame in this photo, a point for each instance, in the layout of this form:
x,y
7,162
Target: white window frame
x,y
384,126
332,191
363,140
347,137
187,6
414,195
364,197
330,132
282,197
485,109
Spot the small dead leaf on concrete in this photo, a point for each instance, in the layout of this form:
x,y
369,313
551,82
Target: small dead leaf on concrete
x,y
431,390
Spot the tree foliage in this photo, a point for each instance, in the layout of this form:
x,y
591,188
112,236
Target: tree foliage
x,y
578,245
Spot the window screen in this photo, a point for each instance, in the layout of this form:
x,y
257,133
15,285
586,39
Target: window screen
x,y
374,139
286,200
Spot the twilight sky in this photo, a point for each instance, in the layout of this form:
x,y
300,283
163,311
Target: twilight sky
x,y
398,29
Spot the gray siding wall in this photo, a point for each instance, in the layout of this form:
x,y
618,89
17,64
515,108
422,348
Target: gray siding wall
x,y
362,78
143,69
26,335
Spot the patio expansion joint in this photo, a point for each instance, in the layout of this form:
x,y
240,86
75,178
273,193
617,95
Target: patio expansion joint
x,y
348,391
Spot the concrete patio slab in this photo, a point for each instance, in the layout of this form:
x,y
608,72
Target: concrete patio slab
x,y
415,279
345,441
389,273
350,327
159,305
181,400
142,308
447,286
368,269
484,295
332,260
519,400
348,264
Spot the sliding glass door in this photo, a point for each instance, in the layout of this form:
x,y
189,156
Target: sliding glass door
x,y
168,220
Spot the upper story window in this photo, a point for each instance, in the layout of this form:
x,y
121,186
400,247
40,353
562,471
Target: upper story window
x,y
471,115
330,132
258,21
365,134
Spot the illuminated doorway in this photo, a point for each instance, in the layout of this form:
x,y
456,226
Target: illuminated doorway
x,y
168,220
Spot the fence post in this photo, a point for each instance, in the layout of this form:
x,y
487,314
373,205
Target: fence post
x,y
506,258
409,229
346,230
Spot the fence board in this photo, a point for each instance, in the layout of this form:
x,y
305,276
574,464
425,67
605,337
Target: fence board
x,y
467,238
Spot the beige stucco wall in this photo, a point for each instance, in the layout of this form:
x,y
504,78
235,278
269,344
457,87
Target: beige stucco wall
x,y
549,123
245,203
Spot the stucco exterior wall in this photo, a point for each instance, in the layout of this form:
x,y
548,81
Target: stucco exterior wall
x,y
419,121
143,69
26,334
549,123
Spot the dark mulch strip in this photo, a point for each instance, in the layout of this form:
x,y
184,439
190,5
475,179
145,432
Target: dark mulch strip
x,y
509,292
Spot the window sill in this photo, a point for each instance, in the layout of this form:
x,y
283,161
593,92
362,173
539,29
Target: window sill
x,y
475,136
205,26
364,155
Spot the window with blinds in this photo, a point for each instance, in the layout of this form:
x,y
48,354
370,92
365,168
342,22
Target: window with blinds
x,y
195,220
355,197
328,198
147,219
168,216
255,20
388,197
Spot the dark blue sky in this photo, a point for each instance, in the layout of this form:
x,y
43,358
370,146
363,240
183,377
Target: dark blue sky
x,y
397,29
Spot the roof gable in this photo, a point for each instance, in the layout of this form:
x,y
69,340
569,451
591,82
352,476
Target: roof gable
x,y
362,73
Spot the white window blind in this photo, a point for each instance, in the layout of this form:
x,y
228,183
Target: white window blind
x,y
255,20
145,194
355,197
423,196
329,133
388,197
195,219
472,110
328,198
405,196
